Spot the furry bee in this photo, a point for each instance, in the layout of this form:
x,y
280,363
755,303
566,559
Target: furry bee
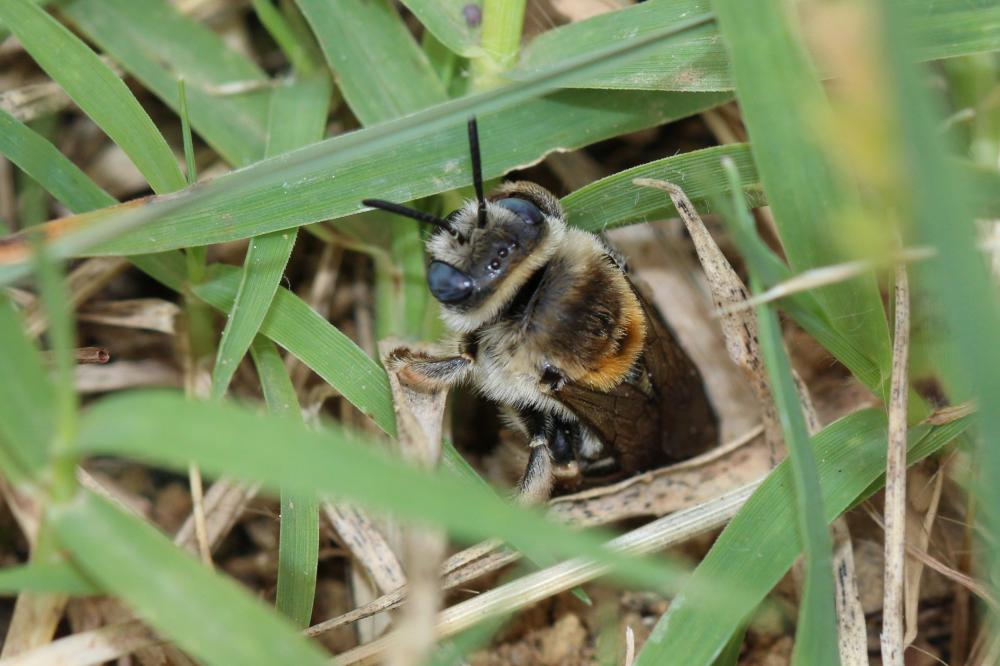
x,y
548,324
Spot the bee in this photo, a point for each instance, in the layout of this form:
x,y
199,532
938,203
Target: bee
x,y
547,323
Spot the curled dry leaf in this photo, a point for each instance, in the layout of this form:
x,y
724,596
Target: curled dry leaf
x,y
419,411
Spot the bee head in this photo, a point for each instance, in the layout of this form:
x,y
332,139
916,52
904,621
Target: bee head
x,y
483,253
475,270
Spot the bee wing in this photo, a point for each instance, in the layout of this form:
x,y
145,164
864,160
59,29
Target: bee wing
x,y
660,414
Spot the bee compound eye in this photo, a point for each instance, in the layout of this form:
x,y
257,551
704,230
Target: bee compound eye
x,y
524,209
447,283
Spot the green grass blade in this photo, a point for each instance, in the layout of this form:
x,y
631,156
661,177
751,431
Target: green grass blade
x,y
209,616
816,630
46,579
190,168
27,400
263,267
851,455
298,538
364,40
945,29
779,96
614,200
358,37
954,29
963,289
96,90
156,44
696,63
61,334
37,157
224,438
284,36
298,328
815,636
298,117
317,343
401,160
305,178
446,20
803,307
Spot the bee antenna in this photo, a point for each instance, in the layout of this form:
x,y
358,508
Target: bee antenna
x,y
412,213
477,170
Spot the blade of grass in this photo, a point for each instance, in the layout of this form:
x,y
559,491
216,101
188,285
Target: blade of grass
x,y
156,44
46,579
96,90
27,403
778,94
400,160
298,117
283,34
301,167
340,463
614,200
55,303
407,86
698,63
945,29
293,324
963,288
816,631
32,199
190,168
298,538
500,39
851,453
228,626
769,269
296,327
448,21
369,34
37,157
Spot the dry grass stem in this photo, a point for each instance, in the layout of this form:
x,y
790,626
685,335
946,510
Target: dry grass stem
x,y
224,503
98,355
198,511
84,281
653,537
34,622
151,314
978,588
367,545
827,275
895,483
923,500
91,647
852,631
118,375
321,289
34,100
629,647
663,491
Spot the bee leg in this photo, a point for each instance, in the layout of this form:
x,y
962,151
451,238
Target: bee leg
x,y
431,371
536,484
